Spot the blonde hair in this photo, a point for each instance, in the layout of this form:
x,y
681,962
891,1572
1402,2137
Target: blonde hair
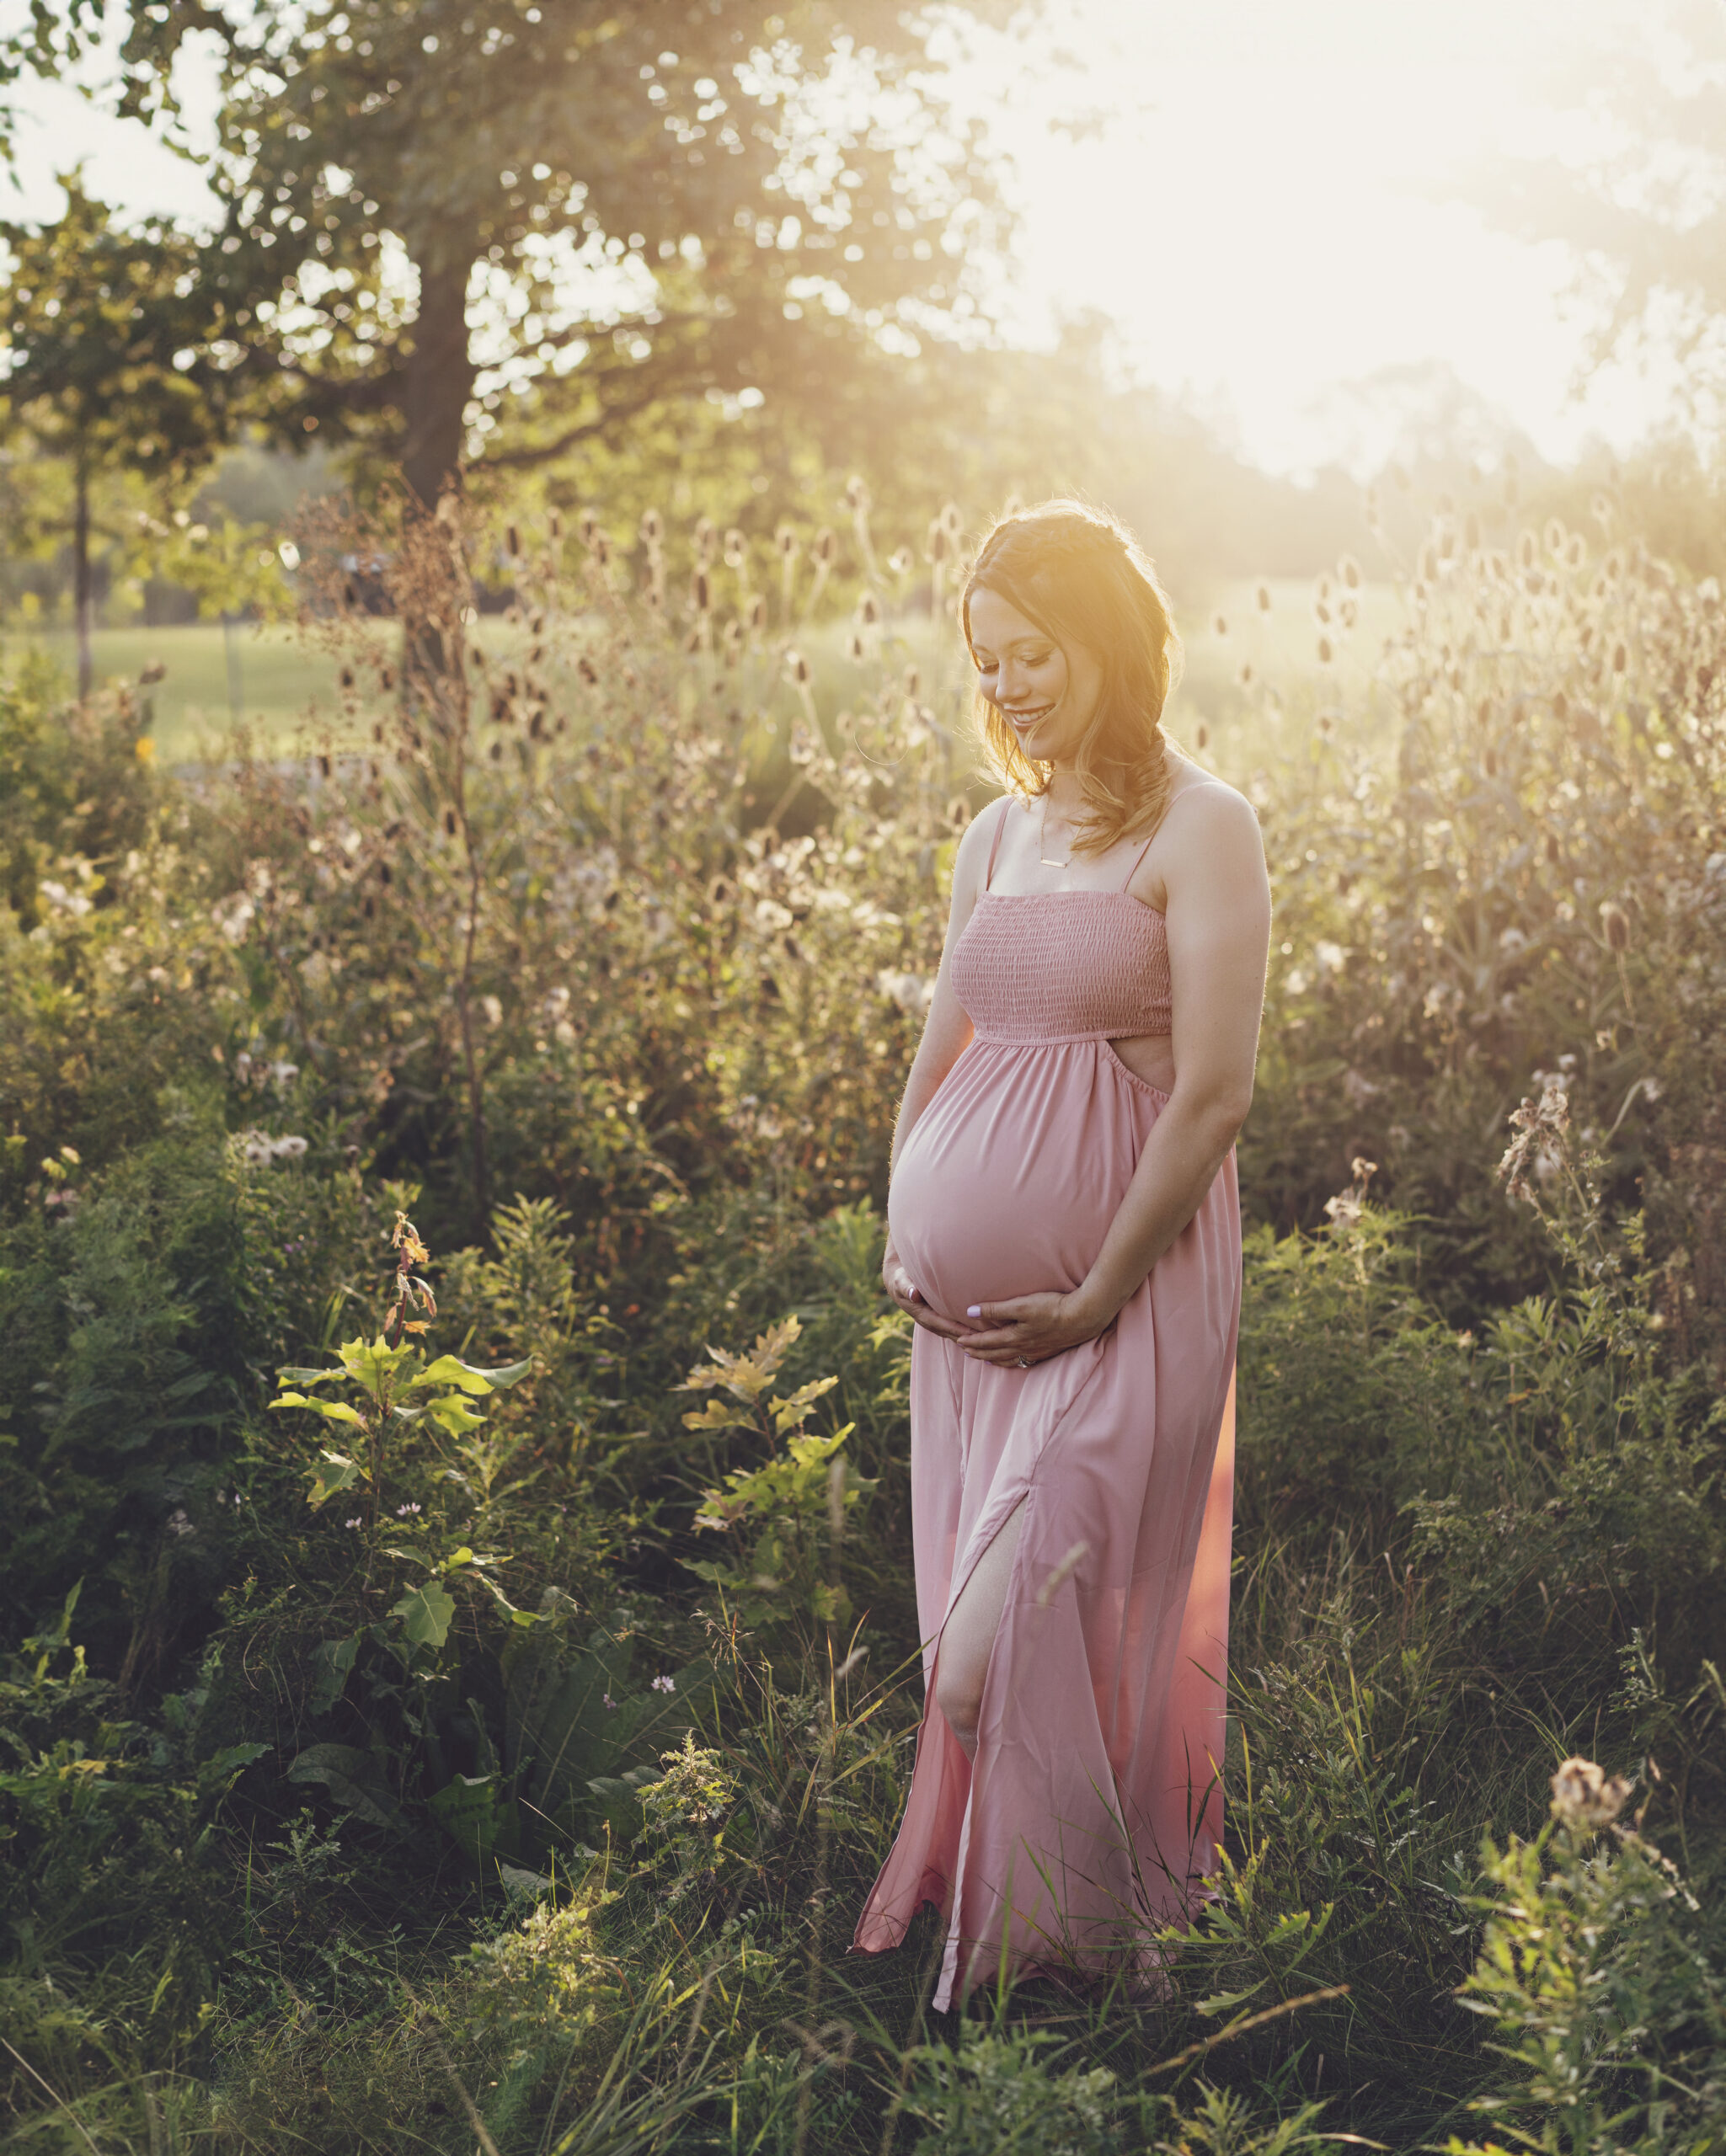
x,y
1082,578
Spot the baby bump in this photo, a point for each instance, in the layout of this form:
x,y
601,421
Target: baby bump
x,y
1008,1183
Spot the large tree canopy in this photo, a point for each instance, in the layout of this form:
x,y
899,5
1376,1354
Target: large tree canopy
x,y
457,228
110,357
1642,199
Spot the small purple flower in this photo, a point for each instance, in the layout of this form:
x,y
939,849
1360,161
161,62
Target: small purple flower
x,y
404,1511
663,1684
354,1521
611,1704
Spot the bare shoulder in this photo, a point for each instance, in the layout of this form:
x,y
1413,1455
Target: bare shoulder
x,y
973,854
1212,811
1210,837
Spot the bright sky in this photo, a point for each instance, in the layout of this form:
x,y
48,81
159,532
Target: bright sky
x,y
1252,216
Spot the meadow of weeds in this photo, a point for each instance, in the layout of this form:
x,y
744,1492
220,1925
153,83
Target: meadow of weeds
x,y
459,1653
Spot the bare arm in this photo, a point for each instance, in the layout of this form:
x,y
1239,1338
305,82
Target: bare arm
x,y
947,1034
1218,937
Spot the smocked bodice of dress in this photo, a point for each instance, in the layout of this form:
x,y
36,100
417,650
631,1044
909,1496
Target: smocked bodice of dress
x,y
1062,966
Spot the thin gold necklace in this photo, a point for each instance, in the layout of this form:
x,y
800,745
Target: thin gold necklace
x,y
1066,860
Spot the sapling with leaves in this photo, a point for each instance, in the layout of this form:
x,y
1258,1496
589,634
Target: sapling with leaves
x,y
773,1512
394,1391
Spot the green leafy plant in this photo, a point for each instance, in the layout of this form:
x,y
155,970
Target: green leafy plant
x,y
1604,1985
774,1513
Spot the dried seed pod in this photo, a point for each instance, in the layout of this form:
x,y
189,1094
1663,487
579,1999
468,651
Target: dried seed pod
x,y
1221,625
585,667
736,549
652,527
825,545
1325,652
1264,598
1348,569
1615,924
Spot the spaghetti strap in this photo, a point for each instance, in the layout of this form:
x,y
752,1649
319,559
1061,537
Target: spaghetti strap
x,y
995,843
1138,858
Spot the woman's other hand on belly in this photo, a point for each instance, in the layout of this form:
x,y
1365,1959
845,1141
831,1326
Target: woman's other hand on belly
x,y
910,1297
1029,1328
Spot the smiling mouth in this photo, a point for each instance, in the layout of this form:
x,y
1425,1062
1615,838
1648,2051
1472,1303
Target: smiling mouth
x,y
1024,718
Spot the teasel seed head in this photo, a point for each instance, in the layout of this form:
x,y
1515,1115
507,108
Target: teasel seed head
x,y
1555,535
554,526
825,545
1325,652
1527,550
1615,924
1621,656
1348,570
1264,598
901,561
652,527
1221,625
758,612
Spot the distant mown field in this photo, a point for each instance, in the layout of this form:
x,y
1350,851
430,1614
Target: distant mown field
x,y
283,687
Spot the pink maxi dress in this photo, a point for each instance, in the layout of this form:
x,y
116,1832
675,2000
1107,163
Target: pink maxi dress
x,y
1094,1810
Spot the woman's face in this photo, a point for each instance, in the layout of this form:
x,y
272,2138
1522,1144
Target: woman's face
x,y
1048,695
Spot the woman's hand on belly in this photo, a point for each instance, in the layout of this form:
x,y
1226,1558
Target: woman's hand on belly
x,y
1032,1328
910,1299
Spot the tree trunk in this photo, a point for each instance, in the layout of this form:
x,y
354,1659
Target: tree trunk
x,y
83,596
438,380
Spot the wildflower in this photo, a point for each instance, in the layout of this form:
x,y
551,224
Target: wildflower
x,y
609,1703
179,1524
354,1521
663,1684
406,1512
144,749
1582,1795
1541,1128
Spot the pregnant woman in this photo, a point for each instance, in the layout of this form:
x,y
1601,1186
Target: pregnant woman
x,y
1064,1228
